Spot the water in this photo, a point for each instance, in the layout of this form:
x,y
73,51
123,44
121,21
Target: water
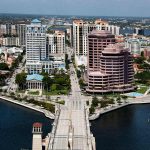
x,y
125,129
134,94
16,126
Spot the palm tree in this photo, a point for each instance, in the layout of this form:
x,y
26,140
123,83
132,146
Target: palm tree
x,y
93,89
47,82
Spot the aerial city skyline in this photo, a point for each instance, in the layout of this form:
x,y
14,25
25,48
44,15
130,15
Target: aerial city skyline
x,y
70,79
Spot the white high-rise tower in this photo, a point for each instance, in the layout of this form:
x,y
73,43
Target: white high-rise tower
x,y
35,46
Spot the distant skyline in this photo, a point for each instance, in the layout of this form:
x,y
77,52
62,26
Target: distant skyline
x,y
78,7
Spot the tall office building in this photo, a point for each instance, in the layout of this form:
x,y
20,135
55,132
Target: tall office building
x,y
37,51
35,46
35,41
21,32
80,33
81,29
9,28
109,65
97,40
56,42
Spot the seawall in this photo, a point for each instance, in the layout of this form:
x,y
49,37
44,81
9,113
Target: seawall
x,y
29,106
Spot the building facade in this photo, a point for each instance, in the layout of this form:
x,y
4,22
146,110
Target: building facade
x,y
134,46
81,29
10,41
34,82
21,32
110,66
56,42
35,46
35,41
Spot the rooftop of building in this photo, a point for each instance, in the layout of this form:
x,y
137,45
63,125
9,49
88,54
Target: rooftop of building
x,y
100,33
100,21
78,21
35,21
34,77
37,125
114,49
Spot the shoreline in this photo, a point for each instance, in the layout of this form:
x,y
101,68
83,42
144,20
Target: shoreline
x,y
134,101
29,106
95,116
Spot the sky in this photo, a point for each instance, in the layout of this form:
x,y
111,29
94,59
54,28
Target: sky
x,y
78,7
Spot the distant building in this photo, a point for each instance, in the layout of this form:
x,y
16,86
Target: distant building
x,y
3,29
21,32
56,42
139,31
109,66
10,41
81,29
80,32
134,46
147,53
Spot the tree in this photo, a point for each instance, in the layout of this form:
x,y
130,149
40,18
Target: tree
x,y
82,68
92,110
81,83
124,97
2,80
47,81
66,61
95,101
21,80
53,87
78,73
3,66
118,100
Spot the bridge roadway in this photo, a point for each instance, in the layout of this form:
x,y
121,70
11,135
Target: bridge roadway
x,y
71,127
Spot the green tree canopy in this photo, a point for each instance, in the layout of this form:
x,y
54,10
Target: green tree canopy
x,y
47,81
3,66
21,79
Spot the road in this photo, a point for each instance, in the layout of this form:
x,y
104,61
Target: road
x,y
12,86
71,128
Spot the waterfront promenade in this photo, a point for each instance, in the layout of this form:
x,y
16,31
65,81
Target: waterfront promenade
x,y
130,101
47,113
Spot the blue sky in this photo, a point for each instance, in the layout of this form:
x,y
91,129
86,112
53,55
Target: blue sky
x,y
78,7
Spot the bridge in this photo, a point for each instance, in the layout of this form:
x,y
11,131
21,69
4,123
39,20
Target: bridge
x,y
71,127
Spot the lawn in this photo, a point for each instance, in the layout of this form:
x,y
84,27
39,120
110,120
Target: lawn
x,y
142,89
33,92
20,91
56,92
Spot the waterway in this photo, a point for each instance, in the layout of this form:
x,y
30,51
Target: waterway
x,y
127,128
16,126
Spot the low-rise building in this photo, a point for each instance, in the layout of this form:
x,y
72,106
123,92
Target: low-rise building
x,y
34,82
147,52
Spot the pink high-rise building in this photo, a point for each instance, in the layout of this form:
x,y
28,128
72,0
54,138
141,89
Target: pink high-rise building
x,y
109,65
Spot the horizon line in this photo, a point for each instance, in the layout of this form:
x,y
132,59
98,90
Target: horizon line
x,y
72,15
